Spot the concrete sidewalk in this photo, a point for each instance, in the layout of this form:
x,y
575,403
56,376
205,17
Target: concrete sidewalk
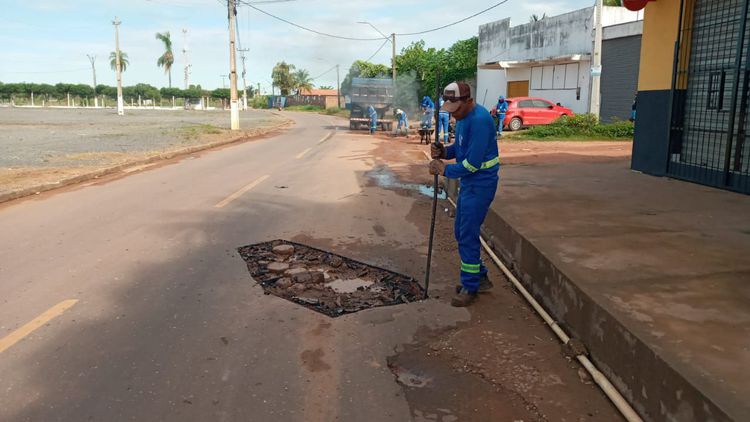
x,y
652,274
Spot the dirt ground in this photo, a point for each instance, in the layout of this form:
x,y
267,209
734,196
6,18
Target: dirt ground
x,y
47,146
502,365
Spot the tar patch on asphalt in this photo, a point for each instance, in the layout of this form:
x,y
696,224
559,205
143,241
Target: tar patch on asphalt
x,y
323,281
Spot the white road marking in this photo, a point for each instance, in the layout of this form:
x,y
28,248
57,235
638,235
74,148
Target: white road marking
x,y
301,154
240,192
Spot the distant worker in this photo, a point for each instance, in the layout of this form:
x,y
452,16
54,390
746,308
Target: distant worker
x,y
428,109
402,121
373,115
477,165
501,110
444,121
633,108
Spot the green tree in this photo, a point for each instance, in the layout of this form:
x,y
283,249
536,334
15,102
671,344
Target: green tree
x,y
124,62
326,87
166,60
615,3
302,81
283,78
221,93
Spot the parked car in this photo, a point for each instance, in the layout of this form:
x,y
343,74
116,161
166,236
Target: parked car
x,y
529,111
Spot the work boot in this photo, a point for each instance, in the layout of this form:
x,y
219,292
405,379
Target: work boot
x,y
484,285
463,298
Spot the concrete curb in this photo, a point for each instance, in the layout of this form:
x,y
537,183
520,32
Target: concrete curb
x,y
35,190
656,389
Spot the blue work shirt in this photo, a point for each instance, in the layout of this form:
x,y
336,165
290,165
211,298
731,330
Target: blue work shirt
x,y
427,103
475,150
502,107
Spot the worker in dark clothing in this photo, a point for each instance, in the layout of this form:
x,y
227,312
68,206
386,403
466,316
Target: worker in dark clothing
x,y
477,165
428,110
501,109
444,121
373,115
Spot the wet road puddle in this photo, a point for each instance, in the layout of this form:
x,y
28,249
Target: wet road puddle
x,y
323,281
385,178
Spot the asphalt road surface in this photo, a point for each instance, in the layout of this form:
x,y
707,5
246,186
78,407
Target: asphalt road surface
x,y
126,299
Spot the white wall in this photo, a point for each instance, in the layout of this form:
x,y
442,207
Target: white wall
x,y
491,84
560,83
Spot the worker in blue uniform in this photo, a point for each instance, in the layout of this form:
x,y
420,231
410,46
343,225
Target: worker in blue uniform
x,y
402,121
501,109
443,121
373,115
477,165
428,109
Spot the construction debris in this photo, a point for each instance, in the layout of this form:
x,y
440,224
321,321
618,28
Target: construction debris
x,y
323,281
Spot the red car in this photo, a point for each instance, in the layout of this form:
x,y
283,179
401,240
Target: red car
x,y
529,111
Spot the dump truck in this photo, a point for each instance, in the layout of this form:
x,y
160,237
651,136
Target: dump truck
x,y
371,92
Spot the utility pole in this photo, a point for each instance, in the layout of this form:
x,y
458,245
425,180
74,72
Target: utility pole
x,y
92,59
393,57
596,66
338,86
118,67
233,107
244,81
186,58
223,80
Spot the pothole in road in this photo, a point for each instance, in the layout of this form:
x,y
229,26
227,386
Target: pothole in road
x,y
323,281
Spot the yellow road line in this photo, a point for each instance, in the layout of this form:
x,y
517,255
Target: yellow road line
x,y
48,315
240,192
301,154
325,138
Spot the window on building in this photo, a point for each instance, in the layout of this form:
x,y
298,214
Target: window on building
x,y
716,91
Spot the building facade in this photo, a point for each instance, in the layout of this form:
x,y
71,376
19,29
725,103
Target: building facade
x,y
693,93
551,58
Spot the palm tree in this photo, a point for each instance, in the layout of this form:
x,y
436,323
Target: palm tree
x,y
302,81
124,62
166,60
537,18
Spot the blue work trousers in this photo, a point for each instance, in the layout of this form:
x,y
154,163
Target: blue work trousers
x,y
427,118
500,120
444,125
473,204
373,123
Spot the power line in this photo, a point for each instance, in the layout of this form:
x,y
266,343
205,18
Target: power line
x,y
248,4
324,73
456,22
378,51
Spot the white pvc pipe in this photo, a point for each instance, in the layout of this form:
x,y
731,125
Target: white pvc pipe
x,y
601,380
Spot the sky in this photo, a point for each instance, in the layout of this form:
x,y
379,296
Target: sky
x,y
46,41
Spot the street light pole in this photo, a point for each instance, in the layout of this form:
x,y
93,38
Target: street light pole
x,y
392,39
338,87
118,68
233,106
244,81
92,59
596,66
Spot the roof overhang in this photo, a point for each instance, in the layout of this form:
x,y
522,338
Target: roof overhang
x,y
511,64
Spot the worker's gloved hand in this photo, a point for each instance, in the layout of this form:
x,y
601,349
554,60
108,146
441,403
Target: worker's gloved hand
x,y
437,150
437,167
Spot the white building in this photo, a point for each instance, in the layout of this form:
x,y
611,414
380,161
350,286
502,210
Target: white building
x,y
551,58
